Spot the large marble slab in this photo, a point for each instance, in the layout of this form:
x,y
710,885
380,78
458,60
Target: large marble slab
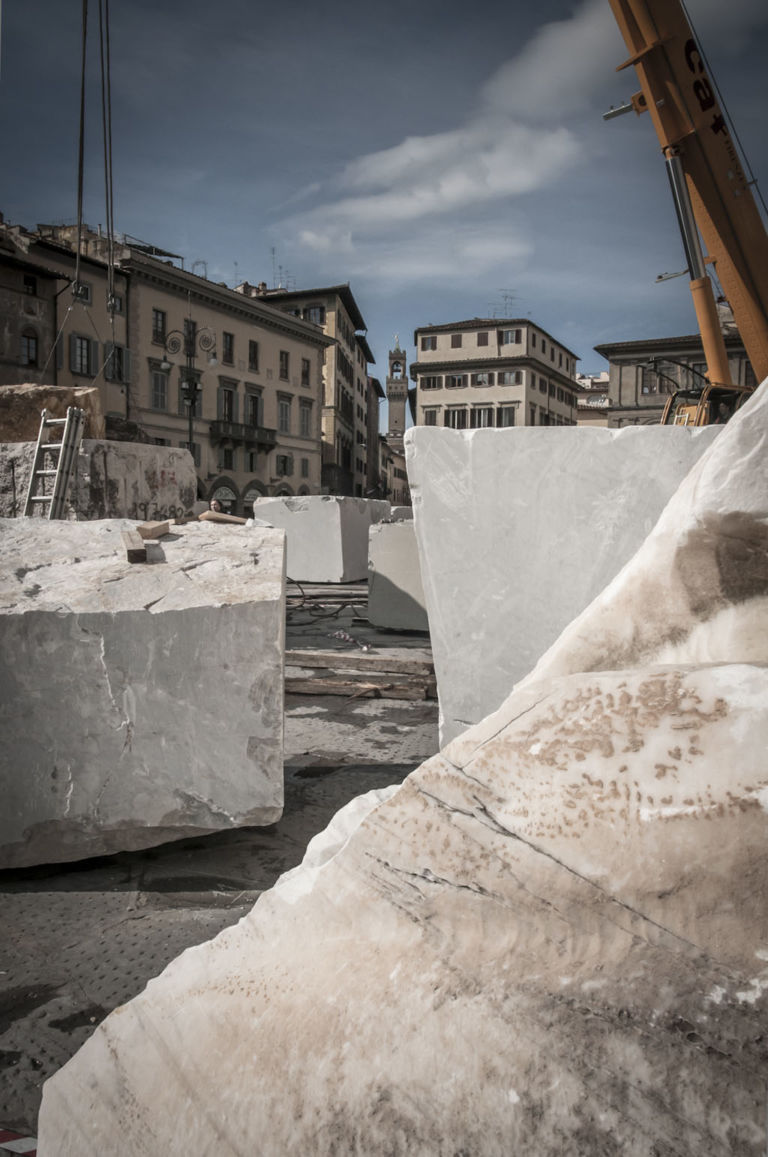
x,y
395,592
139,703
518,531
552,938
327,534
111,480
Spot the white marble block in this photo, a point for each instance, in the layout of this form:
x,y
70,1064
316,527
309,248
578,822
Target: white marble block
x,y
139,702
551,939
111,480
395,593
327,534
518,530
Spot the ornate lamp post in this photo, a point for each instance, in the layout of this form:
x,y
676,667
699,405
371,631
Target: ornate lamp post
x,y
190,339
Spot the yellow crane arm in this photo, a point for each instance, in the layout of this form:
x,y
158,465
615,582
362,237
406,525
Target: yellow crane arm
x,y
689,123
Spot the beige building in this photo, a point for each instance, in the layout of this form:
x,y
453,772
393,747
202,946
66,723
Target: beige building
x,y
642,374
346,416
256,372
492,372
592,401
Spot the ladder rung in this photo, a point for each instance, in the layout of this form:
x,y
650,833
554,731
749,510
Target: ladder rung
x,y
51,445
41,498
55,421
52,472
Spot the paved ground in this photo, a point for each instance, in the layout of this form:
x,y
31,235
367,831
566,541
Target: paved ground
x,y
79,939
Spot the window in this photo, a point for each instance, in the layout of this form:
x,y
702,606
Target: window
x,y
481,417
158,325
455,341
29,348
227,405
83,354
159,390
431,383
30,284
253,409
284,465
161,441
510,336
551,353
552,390
284,365
543,346
505,416
509,378
456,419
430,417
253,356
532,411
117,303
305,468
117,363
533,341
455,381
253,461
305,420
284,415
482,339
560,359
429,343
482,379
315,313
542,385
83,291
305,371
228,459
194,449
228,348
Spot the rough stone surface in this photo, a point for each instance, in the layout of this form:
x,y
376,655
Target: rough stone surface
x,y
138,702
327,535
112,480
552,939
22,405
518,531
395,592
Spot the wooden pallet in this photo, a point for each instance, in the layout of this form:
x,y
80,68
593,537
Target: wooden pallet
x,y
394,673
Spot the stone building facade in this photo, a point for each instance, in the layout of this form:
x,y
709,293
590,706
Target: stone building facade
x,y
258,371
492,372
346,416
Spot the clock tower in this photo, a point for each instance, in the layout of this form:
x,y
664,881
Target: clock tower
x,y
397,396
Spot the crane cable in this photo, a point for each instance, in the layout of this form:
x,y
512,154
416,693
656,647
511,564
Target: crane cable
x,y
81,151
106,121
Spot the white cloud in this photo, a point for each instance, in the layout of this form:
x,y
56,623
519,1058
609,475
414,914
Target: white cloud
x,y
514,143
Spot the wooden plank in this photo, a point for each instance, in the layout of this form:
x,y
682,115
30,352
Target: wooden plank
x,y
135,550
419,664
347,687
215,516
154,529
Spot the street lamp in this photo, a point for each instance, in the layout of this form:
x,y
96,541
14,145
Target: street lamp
x,y
190,339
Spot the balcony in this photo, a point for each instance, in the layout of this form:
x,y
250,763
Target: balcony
x,y
241,435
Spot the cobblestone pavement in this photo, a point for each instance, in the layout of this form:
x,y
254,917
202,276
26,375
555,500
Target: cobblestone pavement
x,y
80,939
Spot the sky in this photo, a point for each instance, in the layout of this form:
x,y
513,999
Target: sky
x,y
447,160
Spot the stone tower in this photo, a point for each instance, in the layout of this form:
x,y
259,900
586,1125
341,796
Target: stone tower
x,y
397,396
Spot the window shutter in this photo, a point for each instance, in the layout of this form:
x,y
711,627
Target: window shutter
x,y
182,403
93,356
235,406
72,352
109,366
219,403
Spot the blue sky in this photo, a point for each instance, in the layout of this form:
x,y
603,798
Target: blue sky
x,y
447,160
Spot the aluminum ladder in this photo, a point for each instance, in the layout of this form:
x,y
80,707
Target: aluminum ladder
x,y
60,463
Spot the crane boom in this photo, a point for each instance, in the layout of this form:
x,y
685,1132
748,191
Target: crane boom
x,y
690,125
